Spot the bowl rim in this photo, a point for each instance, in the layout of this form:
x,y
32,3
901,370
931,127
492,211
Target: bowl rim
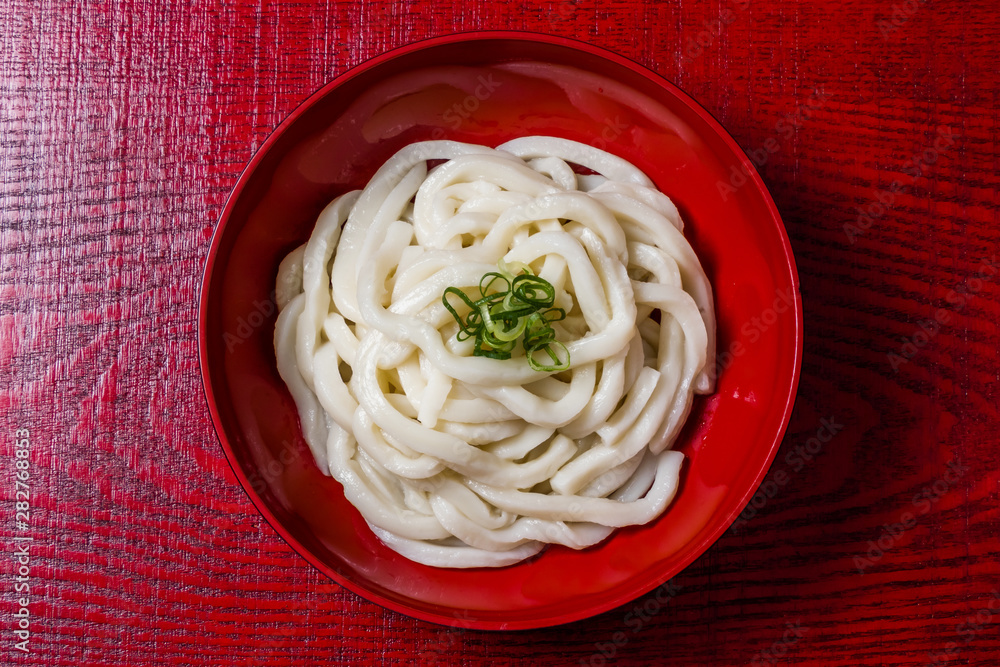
x,y
629,593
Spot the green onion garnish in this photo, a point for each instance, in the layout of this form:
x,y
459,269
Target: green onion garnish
x,y
511,307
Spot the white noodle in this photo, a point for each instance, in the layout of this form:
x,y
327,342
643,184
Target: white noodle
x,y
463,461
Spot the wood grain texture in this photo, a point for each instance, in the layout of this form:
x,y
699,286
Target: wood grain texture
x,y
124,126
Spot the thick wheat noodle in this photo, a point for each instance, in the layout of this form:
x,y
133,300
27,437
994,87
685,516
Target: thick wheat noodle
x,y
457,460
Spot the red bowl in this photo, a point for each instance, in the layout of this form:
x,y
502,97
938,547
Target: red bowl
x,y
488,88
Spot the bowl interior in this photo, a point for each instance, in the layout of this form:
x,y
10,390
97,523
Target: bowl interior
x,y
488,88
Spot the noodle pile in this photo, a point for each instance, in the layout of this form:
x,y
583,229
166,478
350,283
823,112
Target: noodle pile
x,y
457,460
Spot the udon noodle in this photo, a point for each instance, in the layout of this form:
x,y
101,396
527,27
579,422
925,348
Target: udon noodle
x,y
457,460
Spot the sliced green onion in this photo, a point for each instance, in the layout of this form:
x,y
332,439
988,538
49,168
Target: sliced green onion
x,y
511,305
557,365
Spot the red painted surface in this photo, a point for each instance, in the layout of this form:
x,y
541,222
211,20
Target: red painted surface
x,y
487,88
125,126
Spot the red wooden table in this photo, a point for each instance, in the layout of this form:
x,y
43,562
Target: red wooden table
x,y
874,539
